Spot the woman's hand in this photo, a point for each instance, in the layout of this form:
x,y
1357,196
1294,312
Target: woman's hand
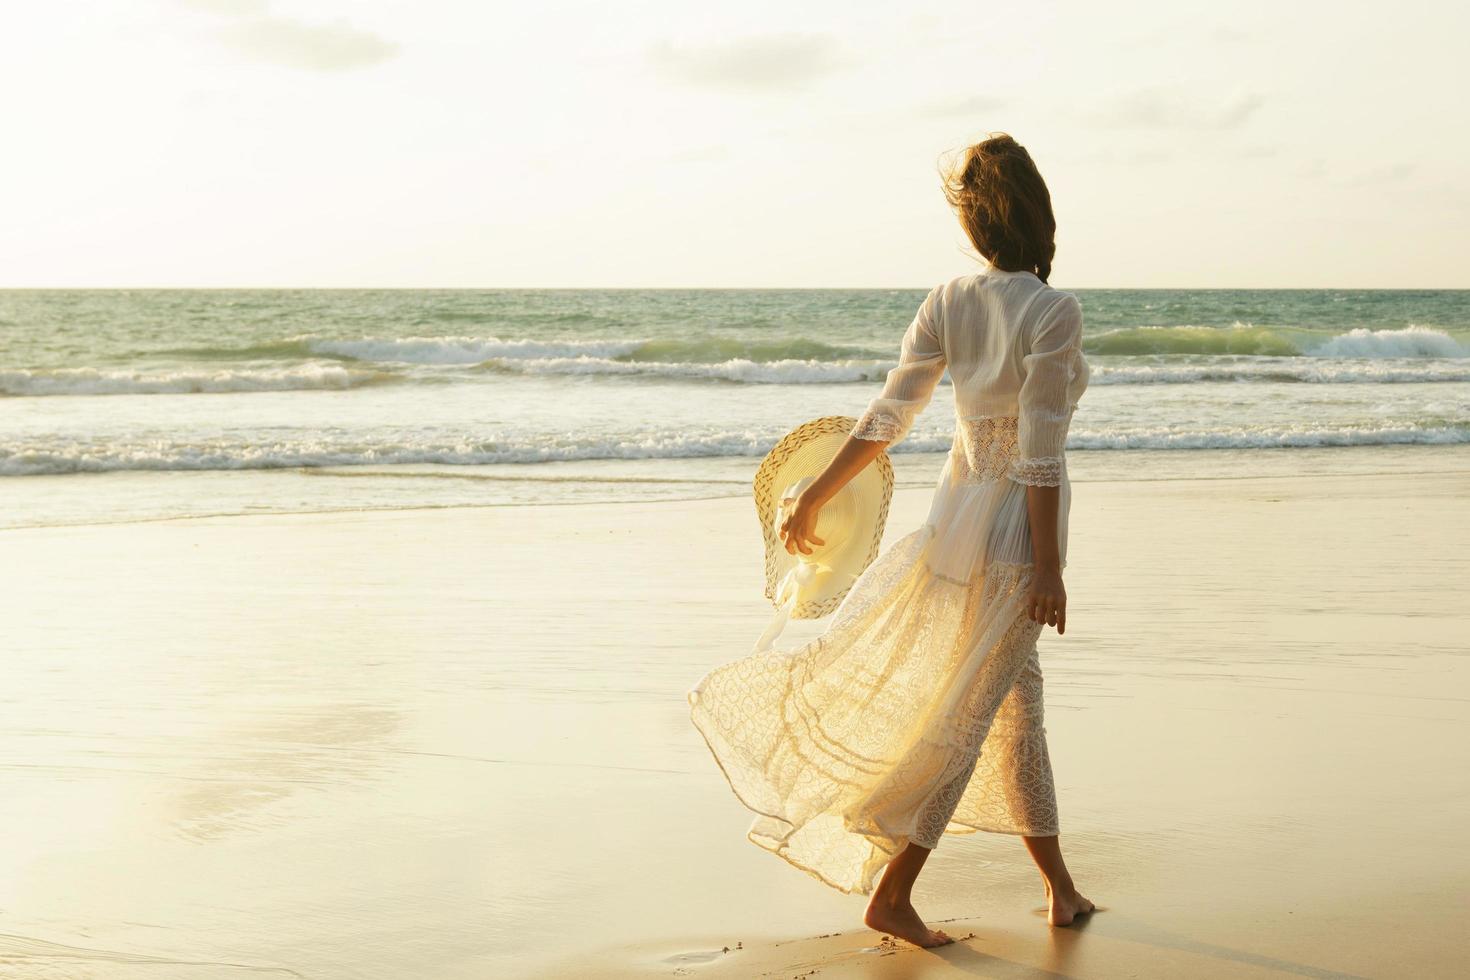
x,y
1047,602
796,530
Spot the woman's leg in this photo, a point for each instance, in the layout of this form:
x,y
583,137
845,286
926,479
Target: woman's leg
x,y
1018,788
891,909
1064,902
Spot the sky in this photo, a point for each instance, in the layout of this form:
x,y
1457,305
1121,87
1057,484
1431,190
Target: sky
x,y
479,143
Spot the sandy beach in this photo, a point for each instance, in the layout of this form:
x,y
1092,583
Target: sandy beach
x,y
454,744
382,388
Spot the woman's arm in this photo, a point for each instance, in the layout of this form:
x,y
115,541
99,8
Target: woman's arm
x,y
1046,401
887,420
1047,602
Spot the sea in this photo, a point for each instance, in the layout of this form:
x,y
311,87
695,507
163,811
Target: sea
x,y
134,405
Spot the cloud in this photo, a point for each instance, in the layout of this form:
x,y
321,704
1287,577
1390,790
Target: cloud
x,y
1225,34
328,47
974,105
772,63
1389,174
1157,108
1128,157
282,41
700,154
1313,169
237,7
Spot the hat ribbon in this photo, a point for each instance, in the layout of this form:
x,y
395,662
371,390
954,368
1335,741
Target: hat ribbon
x,y
788,591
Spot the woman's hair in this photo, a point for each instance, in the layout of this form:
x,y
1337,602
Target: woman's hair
x,y
1004,205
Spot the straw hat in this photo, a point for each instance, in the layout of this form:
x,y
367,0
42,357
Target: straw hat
x,y
851,523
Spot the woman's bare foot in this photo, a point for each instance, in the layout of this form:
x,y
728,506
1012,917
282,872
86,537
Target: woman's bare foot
x,y
902,921
1063,907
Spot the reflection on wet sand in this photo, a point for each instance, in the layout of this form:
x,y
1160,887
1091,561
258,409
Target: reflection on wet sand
x,y
258,765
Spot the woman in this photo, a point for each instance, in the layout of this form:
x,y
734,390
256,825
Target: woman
x,y
918,711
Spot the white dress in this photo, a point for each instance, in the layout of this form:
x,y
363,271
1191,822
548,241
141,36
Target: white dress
x,y
918,711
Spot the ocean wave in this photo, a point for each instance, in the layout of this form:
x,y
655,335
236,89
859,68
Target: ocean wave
x,y
112,456
90,381
470,350
1240,338
1301,370
1280,369
706,349
699,349
460,350
802,360
1293,370
1272,437
1134,355
740,370
259,455
1413,341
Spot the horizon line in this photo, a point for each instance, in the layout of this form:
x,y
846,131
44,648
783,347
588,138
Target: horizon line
x,y
502,288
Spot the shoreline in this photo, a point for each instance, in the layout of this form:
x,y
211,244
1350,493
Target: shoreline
x,y
918,470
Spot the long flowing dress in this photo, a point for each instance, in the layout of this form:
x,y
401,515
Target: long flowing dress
x,y
918,710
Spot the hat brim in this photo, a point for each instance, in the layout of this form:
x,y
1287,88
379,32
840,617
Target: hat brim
x,y
806,451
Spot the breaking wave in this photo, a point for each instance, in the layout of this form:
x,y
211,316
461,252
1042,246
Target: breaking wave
x,y
1245,339
89,457
90,381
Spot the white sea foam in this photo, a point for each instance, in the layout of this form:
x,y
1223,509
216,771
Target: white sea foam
x,y
1413,354
1245,339
91,381
1239,339
119,455
1280,369
462,350
1306,370
737,369
1269,437
1138,355
1412,341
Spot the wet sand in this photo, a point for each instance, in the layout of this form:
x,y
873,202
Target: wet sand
x,y
455,744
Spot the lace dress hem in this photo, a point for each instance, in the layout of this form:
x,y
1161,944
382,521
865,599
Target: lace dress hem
x,y
837,792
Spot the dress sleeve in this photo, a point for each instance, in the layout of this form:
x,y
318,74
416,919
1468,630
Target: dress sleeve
x,y
911,383
1053,374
